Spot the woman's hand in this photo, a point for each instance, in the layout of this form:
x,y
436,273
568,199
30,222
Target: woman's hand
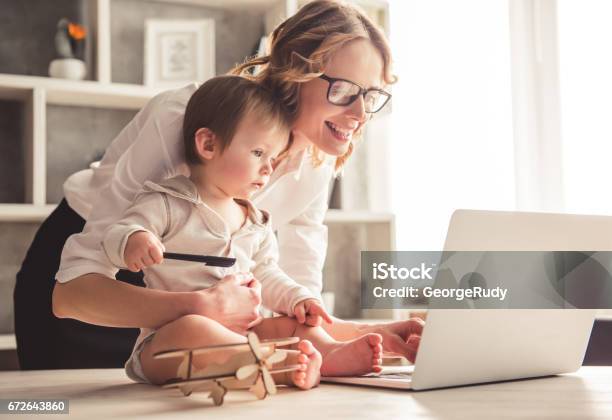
x,y
402,337
142,250
234,301
311,312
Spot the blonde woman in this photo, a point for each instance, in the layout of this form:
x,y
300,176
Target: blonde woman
x,y
329,65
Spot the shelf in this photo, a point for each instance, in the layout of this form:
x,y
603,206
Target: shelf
x,y
265,5
78,93
8,342
25,212
229,5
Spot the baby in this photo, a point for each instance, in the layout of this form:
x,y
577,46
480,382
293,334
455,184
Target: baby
x,y
234,132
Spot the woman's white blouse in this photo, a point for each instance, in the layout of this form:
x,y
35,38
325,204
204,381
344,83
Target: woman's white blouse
x,y
150,148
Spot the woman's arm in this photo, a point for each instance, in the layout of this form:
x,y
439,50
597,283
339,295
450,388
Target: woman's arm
x,y
99,300
399,337
148,148
303,244
280,292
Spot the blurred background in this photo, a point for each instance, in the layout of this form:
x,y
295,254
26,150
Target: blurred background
x,y
500,104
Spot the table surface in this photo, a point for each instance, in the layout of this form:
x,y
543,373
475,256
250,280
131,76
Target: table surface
x,y
108,393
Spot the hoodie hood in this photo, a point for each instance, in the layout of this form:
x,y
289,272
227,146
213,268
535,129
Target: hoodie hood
x,y
183,188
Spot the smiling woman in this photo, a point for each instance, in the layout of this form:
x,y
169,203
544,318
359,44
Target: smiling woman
x,y
360,63
324,37
329,39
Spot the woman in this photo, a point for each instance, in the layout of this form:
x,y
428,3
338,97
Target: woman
x,y
329,64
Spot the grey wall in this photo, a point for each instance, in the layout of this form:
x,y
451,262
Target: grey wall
x,y
237,34
341,273
12,186
15,239
27,30
77,136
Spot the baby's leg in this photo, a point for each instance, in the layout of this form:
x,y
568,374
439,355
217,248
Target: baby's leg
x,y
193,331
187,332
340,358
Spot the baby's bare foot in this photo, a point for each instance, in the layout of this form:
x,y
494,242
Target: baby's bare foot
x,y
353,358
310,364
309,360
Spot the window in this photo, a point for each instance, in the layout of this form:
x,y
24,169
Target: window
x,y
585,74
451,139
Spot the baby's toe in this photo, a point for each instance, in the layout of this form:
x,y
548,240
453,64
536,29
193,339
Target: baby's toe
x,y
413,340
374,339
306,347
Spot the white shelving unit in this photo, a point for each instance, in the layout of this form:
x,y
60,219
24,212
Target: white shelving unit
x,y
379,227
77,93
36,93
37,97
7,342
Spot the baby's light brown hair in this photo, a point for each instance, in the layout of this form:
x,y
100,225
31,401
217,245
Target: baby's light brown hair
x,y
222,102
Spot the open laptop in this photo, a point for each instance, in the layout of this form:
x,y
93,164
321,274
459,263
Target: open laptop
x,y
470,346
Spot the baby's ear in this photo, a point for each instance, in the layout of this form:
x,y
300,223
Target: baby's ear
x,y
206,143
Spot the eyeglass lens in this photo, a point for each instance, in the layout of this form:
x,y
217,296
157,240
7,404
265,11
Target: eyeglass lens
x,y
343,92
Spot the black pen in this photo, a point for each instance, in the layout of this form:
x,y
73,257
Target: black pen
x,y
206,259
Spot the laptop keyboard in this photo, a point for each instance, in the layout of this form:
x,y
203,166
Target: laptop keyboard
x,y
400,375
393,372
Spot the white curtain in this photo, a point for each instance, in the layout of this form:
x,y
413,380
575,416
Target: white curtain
x,y
585,57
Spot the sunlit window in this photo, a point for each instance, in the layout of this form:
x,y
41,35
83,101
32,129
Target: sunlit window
x,y
451,129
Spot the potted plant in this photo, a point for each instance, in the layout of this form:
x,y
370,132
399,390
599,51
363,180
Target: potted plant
x,y
69,45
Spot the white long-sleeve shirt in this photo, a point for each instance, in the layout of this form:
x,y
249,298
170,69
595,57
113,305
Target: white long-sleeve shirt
x,y
173,211
150,148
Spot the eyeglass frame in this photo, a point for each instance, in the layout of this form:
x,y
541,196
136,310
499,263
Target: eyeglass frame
x,y
362,92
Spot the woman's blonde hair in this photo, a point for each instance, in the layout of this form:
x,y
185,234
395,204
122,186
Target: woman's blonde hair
x,y
301,45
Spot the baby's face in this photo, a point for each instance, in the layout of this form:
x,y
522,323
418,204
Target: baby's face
x,y
246,165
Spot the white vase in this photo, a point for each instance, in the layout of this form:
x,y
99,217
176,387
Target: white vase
x,y
68,68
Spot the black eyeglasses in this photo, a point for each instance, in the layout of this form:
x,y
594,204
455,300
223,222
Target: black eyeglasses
x,y
344,92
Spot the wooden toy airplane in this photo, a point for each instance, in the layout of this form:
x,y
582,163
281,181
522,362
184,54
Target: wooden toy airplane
x,y
248,366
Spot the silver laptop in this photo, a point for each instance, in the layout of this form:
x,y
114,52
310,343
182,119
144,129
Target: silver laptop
x,y
470,346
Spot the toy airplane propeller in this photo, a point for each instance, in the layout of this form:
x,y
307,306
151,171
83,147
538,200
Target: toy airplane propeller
x,y
264,383
250,367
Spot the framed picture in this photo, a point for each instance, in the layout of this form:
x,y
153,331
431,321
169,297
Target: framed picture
x,y
178,52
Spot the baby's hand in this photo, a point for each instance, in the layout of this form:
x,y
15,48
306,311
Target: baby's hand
x,y
142,250
311,312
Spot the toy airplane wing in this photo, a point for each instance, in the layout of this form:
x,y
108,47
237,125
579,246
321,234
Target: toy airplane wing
x,y
279,342
179,382
249,366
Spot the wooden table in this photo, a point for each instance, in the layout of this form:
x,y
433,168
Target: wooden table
x,y
108,393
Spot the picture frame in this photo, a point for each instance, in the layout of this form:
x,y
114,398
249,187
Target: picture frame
x,y
178,52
